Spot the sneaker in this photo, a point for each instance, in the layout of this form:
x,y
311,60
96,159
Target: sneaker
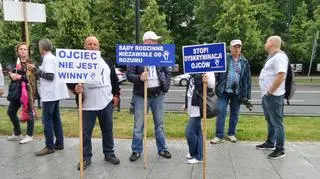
x,y
232,138
26,139
112,159
134,156
165,154
276,154
188,156
59,147
86,163
44,151
14,137
216,140
194,161
265,146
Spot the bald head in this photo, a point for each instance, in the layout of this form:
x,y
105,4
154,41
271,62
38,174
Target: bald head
x,y
273,44
92,43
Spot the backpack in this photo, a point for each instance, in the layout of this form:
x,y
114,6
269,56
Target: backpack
x,y
290,85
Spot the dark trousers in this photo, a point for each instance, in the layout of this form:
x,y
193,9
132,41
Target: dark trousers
x,y
12,113
52,124
106,125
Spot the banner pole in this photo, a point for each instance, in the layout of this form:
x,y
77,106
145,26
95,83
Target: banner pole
x,y
80,135
145,155
204,130
24,8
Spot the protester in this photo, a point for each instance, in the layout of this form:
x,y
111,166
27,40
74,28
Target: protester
x,y
51,91
158,84
272,85
193,130
98,101
24,77
232,87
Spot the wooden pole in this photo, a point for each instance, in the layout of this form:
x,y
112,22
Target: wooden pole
x,y
204,130
80,135
24,8
145,155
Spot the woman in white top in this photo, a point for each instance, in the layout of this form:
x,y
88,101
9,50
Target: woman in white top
x,y
193,130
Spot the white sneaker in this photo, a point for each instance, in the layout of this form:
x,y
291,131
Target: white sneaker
x,y
188,156
26,139
194,161
14,137
216,140
232,138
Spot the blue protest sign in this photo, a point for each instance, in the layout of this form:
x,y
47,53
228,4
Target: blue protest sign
x,y
204,58
145,54
78,66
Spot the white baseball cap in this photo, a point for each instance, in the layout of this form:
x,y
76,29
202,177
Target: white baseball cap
x,y
235,42
150,35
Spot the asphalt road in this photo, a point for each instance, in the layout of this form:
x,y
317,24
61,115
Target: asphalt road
x,y
306,100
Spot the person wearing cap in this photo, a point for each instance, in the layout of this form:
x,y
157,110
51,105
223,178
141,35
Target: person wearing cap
x,y
234,87
158,84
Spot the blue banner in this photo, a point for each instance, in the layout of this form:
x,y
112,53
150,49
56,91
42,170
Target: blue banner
x,y
145,54
204,58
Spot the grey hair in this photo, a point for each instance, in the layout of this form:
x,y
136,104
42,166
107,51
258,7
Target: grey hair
x,y
45,44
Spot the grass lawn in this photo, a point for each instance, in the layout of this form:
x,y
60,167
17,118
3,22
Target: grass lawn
x,y
250,127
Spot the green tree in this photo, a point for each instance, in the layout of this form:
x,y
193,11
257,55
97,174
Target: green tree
x,y
299,47
152,20
238,23
113,22
73,23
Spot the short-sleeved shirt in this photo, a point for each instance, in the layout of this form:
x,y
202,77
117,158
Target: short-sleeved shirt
x,y
275,64
98,95
51,90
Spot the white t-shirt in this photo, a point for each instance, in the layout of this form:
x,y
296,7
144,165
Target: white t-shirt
x,y
153,80
274,65
1,78
194,111
51,90
98,95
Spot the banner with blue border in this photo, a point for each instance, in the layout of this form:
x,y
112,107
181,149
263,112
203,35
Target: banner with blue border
x,y
145,54
204,58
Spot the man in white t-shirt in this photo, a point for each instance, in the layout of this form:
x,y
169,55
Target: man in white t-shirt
x,y
272,85
98,101
51,91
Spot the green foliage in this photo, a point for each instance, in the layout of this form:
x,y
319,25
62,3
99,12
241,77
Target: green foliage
x,y
152,20
113,22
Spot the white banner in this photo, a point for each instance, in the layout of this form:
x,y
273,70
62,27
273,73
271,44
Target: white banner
x,y
13,11
78,66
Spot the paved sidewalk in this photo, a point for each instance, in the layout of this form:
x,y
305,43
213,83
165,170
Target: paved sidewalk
x,y
228,160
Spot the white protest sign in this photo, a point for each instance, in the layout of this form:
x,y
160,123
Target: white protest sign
x,y
13,11
78,66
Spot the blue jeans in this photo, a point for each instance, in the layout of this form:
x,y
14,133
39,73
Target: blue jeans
x,y
223,102
106,125
12,113
52,124
194,137
156,105
273,111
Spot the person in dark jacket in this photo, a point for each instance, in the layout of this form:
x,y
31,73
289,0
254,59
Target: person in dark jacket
x,y
232,87
158,84
98,101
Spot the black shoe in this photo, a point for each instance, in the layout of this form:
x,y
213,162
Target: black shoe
x,y
276,154
59,147
112,159
134,156
165,154
86,163
265,146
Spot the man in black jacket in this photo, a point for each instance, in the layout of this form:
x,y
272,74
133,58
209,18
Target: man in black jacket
x,y
98,101
158,84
